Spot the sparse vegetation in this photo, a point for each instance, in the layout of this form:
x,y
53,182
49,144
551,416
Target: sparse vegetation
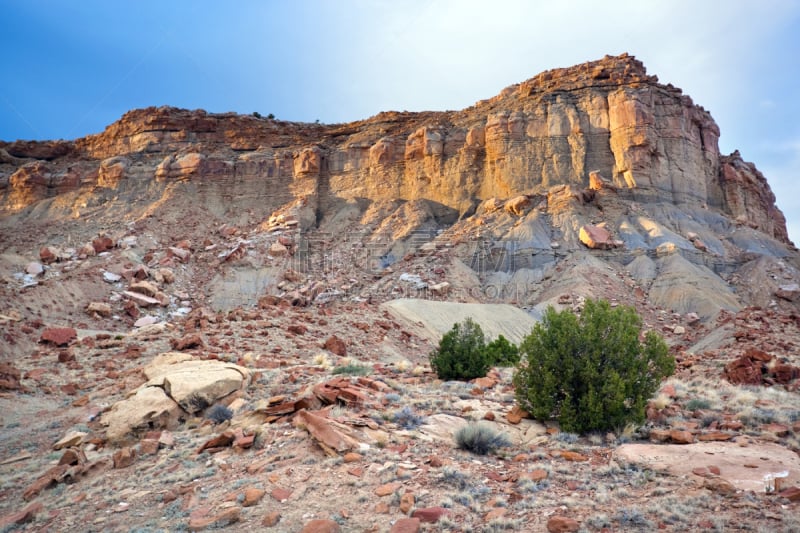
x,y
219,413
502,352
352,369
697,403
480,438
590,372
463,353
406,418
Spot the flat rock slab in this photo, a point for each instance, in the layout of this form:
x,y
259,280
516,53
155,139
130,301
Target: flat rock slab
x,y
148,408
743,466
197,384
177,383
431,319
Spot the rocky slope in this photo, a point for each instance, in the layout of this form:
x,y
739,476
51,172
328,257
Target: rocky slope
x,y
256,256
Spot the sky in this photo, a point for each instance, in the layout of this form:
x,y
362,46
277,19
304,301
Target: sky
x,y
71,68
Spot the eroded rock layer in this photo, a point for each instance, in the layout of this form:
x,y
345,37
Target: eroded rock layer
x,y
608,116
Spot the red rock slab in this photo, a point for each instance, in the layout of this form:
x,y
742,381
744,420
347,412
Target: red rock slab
x,y
536,475
321,526
714,436
779,430
124,457
9,377
280,494
141,299
21,517
681,437
373,384
792,494
187,342
562,524
335,345
494,514
516,414
252,495
386,489
59,336
222,440
271,519
406,525
595,237
573,456
407,501
745,467
430,515
102,243
44,481
330,437
225,518
48,254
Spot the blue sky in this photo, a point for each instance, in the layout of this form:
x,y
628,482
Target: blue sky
x,y
71,68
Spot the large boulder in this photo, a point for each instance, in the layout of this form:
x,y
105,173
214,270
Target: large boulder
x,y
149,408
596,237
195,384
177,384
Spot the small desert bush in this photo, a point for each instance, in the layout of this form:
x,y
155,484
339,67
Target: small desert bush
x,y
219,413
480,438
590,372
406,418
463,353
454,478
352,369
697,403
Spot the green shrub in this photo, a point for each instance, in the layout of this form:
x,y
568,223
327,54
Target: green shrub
x,y
352,369
480,438
591,372
502,352
697,403
462,353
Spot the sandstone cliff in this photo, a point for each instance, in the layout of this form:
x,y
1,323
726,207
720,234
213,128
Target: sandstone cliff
x,y
599,155
608,116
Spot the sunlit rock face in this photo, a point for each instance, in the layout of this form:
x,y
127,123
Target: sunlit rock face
x,y
651,142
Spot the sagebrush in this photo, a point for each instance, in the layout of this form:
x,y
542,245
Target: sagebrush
x,y
480,438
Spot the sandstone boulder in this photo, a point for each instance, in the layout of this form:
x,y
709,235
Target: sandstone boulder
x,y
518,205
730,458
9,376
99,308
196,384
177,384
149,408
596,237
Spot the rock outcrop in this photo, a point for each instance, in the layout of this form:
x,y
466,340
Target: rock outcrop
x,y
596,164
607,116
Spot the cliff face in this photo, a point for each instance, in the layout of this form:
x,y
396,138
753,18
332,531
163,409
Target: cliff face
x,y
608,116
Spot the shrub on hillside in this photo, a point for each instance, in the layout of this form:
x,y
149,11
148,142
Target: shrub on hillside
x,y
219,413
480,438
590,372
462,353
502,352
